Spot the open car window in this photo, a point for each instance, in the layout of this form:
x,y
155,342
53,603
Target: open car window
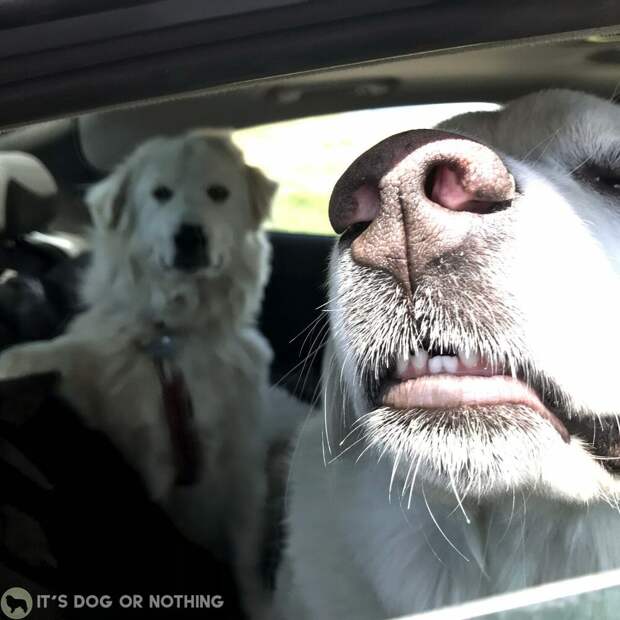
x,y
306,86
559,600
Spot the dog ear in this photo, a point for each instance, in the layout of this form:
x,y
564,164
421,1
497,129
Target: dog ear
x,y
107,199
262,190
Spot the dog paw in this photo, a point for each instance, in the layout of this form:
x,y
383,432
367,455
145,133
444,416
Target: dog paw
x,y
31,359
17,362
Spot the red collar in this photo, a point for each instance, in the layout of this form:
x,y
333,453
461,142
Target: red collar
x,y
179,412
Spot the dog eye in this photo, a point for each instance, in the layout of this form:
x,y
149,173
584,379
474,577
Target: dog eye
x,y
609,181
602,178
218,193
162,193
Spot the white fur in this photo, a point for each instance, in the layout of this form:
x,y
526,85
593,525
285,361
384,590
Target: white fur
x,y
400,523
130,286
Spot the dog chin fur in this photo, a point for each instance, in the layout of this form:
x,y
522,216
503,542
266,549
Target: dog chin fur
x,y
390,516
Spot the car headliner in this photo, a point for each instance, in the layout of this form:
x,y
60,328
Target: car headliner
x,y
292,60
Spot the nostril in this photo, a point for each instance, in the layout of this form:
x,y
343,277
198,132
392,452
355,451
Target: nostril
x,y
358,210
418,171
366,203
444,186
446,189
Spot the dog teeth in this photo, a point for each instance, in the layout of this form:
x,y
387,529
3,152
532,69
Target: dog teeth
x,y
450,363
443,363
469,359
420,363
419,360
435,364
401,365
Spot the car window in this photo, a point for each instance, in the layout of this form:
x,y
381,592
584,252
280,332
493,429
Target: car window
x,y
307,156
577,598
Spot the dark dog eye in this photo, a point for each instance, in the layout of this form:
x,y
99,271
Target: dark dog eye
x,y
218,193
611,182
604,179
162,193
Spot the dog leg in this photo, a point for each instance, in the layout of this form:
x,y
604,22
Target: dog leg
x,y
247,529
30,359
66,355
155,463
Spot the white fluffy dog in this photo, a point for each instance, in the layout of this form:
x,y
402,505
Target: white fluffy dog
x,y
471,436
167,360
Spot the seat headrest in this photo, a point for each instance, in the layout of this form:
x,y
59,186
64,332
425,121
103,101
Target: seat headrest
x,y
27,194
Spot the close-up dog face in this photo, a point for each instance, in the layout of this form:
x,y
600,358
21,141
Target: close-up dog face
x,y
183,215
184,201
474,295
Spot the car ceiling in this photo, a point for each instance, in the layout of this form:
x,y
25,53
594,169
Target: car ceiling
x,y
292,58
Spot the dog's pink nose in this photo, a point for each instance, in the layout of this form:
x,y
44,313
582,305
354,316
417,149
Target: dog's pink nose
x,y
415,196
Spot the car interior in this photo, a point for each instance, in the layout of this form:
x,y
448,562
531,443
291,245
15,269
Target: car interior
x,y
81,84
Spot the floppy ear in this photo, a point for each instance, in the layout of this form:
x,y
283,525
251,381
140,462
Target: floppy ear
x,y
262,191
107,199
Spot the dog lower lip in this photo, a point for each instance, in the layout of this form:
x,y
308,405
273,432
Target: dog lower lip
x,y
450,391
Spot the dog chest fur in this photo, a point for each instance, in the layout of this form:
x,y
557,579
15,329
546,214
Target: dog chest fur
x,y
111,370
386,559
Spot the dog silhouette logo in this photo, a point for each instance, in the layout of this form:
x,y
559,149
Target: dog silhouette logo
x,y
16,603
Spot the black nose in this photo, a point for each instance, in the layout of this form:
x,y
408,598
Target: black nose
x,y
190,245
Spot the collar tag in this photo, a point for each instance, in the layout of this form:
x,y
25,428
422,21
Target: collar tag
x,y
162,346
